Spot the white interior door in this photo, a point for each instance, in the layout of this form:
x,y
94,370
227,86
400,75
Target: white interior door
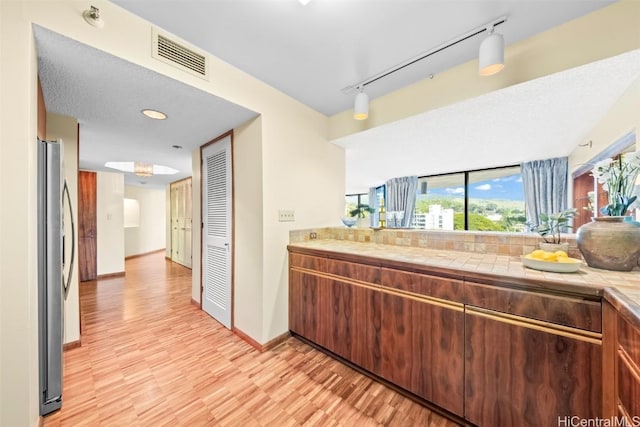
x,y
216,232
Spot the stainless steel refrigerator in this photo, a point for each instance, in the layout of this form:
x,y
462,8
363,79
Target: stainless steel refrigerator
x,y
52,286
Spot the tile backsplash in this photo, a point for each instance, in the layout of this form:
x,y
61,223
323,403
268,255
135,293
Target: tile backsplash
x,y
465,241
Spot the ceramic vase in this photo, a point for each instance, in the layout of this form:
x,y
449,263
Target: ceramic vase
x,y
610,243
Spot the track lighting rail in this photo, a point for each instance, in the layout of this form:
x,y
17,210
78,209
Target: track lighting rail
x,y
471,33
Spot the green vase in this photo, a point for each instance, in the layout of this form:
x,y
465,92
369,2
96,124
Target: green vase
x,y
610,243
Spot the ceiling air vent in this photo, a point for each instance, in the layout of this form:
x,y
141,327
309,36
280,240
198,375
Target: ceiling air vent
x,y
178,54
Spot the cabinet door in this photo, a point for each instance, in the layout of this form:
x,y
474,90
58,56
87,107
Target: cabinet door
x,y
354,328
422,349
309,306
520,375
628,368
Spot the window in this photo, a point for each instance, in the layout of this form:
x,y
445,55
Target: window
x,y
353,200
440,202
496,200
482,200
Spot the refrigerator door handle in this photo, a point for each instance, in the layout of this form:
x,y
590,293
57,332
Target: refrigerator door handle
x,y
67,284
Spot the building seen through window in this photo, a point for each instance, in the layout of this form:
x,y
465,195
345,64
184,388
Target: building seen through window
x,y
481,200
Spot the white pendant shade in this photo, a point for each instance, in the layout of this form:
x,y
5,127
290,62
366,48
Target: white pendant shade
x,y
361,107
491,55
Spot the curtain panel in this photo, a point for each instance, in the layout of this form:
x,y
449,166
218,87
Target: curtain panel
x,y
373,203
401,197
545,187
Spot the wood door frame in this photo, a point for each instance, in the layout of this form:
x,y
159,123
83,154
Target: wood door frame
x,y
233,220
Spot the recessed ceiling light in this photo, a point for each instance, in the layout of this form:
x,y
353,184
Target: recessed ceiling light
x,y
154,114
304,2
135,167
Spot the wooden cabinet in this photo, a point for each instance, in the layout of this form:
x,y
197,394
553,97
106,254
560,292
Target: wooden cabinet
x,y
527,360
628,370
395,330
493,354
422,349
523,374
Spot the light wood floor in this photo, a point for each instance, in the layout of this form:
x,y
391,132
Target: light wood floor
x,y
151,358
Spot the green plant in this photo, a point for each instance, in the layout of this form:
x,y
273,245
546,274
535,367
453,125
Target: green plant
x,y
550,225
618,178
360,210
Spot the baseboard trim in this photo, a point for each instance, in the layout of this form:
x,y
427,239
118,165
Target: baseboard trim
x,y
110,275
196,303
71,345
261,347
145,254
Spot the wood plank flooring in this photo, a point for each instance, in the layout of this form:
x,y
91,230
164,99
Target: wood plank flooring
x,y
151,358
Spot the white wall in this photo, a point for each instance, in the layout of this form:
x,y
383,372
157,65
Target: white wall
x,y
66,128
110,222
151,234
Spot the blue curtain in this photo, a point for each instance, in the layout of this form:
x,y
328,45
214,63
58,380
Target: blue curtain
x,y
545,187
373,202
401,196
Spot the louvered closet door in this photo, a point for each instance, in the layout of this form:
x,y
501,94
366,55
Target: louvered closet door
x,y
216,233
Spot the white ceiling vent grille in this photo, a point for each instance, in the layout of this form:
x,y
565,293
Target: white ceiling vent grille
x,y
178,54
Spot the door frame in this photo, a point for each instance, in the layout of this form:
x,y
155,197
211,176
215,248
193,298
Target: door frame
x,y
233,217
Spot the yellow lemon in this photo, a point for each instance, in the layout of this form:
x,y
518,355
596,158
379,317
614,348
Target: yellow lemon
x,y
550,256
562,254
537,254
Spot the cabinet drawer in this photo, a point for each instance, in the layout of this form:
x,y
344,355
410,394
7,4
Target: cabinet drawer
x,y
437,287
561,310
307,261
351,270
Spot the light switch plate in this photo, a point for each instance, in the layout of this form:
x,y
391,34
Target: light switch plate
x,y
286,216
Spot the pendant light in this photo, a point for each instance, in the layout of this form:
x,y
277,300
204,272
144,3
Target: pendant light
x,y
491,55
361,105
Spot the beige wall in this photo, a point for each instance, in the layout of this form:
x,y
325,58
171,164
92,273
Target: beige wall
x,y
110,222
601,34
66,128
150,235
18,269
622,118
248,238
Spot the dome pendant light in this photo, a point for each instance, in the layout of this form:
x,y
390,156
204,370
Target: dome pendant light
x,y
491,55
361,106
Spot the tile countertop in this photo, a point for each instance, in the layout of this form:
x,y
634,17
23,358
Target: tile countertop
x,y
622,289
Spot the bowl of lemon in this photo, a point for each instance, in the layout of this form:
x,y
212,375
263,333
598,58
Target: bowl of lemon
x,y
557,262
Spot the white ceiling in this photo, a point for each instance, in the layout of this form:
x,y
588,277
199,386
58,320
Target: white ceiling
x,y
311,52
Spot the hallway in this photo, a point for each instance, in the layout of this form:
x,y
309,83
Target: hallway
x,y
151,358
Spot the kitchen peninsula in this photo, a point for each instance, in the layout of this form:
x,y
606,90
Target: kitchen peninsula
x,y
457,321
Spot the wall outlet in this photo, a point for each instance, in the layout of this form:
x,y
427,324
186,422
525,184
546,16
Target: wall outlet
x,y
286,216
313,235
